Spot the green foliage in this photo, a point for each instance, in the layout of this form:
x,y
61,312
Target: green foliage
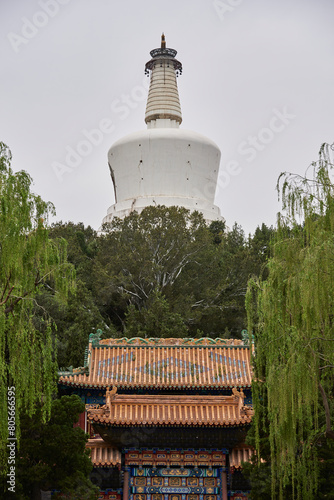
x,y
238,260
291,315
260,479
82,244
82,317
162,258
53,455
162,272
151,250
27,260
72,322
326,467
154,320
259,473
167,263
218,230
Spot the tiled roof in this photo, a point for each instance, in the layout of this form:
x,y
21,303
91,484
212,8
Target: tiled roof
x,y
239,455
195,411
165,363
102,454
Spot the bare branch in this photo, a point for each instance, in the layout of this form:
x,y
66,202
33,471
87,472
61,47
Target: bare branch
x,y
8,295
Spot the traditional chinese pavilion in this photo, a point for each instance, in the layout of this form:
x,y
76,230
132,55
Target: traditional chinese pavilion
x,y
167,418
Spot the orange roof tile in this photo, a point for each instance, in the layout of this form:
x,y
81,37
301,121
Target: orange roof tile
x,y
102,454
138,410
165,363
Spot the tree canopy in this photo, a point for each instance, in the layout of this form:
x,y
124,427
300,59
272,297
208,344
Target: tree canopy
x,y
165,272
161,252
291,316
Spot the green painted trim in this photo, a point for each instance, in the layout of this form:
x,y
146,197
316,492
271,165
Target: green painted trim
x,y
126,346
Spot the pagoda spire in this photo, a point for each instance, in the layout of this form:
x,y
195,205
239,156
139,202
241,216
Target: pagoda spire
x,y
163,101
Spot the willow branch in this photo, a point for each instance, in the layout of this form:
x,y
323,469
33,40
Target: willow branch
x,y
4,290
329,432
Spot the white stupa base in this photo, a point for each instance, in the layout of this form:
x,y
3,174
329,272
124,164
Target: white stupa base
x,y
121,210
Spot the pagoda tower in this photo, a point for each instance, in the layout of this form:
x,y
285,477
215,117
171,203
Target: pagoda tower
x,y
164,164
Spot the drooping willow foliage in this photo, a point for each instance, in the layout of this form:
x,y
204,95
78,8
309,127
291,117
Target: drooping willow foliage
x,y
291,314
27,259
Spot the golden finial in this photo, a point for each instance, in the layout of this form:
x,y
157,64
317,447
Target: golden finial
x,y
163,41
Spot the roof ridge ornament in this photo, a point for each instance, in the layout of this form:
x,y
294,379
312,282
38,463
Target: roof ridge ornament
x,y
94,338
110,396
173,342
163,41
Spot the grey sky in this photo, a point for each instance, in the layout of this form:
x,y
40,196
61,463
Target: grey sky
x,y
257,79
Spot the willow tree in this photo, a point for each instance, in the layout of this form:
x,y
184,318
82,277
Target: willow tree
x,y
291,314
27,260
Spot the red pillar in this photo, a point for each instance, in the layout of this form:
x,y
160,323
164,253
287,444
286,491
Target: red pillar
x,y
224,485
126,485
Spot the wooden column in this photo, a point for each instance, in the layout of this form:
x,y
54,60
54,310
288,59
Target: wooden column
x,y
224,482
126,484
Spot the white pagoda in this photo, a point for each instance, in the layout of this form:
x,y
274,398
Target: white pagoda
x,y
164,164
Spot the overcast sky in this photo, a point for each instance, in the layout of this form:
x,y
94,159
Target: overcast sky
x,y
258,79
